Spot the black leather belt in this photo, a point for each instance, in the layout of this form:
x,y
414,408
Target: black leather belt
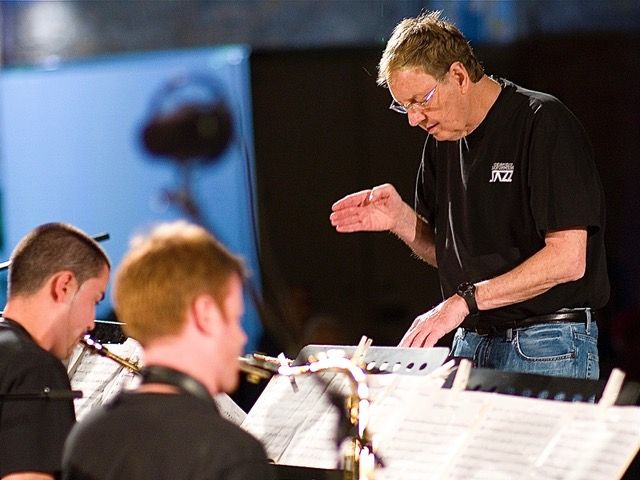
x,y
474,323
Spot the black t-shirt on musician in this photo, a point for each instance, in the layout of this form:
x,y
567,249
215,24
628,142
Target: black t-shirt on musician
x,y
32,432
139,436
492,196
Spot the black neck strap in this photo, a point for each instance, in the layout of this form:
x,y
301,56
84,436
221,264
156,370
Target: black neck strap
x,y
16,326
183,382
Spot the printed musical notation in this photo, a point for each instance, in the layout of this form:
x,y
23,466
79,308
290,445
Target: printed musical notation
x,y
100,378
421,430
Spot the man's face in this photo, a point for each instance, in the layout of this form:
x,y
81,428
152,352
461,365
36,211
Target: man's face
x,y
232,346
444,116
80,314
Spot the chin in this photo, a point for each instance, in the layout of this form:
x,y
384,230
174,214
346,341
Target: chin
x,y
231,384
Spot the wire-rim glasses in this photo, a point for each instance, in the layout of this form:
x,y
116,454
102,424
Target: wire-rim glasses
x,y
404,109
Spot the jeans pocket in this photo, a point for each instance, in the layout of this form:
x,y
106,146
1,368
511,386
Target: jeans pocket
x,y
545,343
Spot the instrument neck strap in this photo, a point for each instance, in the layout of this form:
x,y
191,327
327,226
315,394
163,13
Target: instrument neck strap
x,y
183,382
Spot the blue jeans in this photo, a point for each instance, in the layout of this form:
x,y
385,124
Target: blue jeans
x,y
562,349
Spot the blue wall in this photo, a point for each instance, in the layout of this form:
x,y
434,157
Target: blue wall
x,y
71,151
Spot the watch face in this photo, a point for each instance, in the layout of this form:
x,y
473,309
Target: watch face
x,y
466,288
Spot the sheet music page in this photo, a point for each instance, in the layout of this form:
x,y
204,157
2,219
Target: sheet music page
x,y
229,409
478,436
590,443
300,428
388,395
100,378
281,411
428,429
316,442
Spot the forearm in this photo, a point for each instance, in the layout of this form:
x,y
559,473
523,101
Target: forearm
x,y
562,260
28,476
417,234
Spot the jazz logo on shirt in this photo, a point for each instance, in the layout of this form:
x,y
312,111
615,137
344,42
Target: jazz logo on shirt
x,y
501,172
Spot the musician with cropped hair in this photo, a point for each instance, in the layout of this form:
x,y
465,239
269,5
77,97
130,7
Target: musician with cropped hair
x,y
56,277
179,293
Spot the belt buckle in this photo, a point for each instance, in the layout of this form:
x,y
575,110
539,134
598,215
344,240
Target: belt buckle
x,y
474,325
486,330
482,330
489,330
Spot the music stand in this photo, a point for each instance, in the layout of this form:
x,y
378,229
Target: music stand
x,y
545,386
404,361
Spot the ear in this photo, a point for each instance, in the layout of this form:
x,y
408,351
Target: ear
x,y
62,286
207,315
460,76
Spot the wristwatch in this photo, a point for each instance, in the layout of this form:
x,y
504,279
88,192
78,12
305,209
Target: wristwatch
x,y
467,291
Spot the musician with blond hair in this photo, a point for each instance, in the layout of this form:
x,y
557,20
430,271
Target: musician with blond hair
x,y
179,293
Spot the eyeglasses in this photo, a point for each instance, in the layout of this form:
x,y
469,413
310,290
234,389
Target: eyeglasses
x,y
398,107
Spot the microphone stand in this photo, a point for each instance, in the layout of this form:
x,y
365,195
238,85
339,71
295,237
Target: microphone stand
x,y
45,394
183,199
360,460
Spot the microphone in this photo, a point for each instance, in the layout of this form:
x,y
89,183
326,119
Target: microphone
x,y
192,132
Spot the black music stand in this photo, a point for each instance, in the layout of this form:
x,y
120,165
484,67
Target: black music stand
x,y
290,472
544,386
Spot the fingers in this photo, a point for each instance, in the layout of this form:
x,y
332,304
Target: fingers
x,y
416,334
378,193
350,213
367,210
364,197
352,200
423,333
419,339
346,221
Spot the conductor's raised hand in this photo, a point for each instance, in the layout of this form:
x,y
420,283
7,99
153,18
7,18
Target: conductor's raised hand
x,y
377,209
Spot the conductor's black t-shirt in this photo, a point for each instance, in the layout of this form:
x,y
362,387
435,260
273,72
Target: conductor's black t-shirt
x,y
32,432
492,196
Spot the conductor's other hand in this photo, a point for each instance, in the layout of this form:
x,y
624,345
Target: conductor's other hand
x,y
377,209
431,326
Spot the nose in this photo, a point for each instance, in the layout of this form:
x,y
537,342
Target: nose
x,y
415,116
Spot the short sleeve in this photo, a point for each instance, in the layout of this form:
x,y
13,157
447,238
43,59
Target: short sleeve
x,y
425,195
32,432
564,183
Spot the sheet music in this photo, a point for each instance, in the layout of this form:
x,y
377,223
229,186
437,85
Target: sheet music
x,y
300,427
229,409
100,378
428,431
423,431
478,436
281,411
316,442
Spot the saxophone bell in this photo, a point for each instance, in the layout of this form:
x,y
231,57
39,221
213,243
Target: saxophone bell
x,y
259,367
